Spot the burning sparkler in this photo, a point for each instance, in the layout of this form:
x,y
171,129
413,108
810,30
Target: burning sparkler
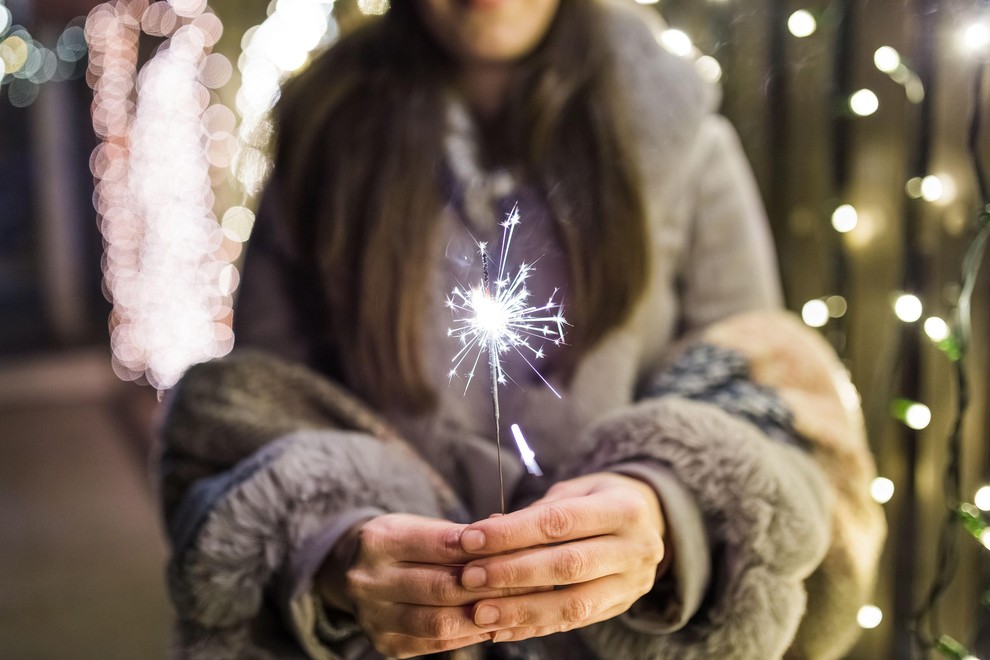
x,y
496,321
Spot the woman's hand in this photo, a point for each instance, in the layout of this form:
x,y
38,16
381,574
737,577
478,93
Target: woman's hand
x,y
598,537
404,589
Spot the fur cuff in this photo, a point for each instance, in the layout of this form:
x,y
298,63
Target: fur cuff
x,y
766,512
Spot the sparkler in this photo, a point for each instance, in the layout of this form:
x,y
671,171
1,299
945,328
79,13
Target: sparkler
x,y
496,319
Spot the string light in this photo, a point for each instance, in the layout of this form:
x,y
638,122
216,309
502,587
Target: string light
x,y
932,188
802,24
881,490
709,68
815,313
908,307
845,218
864,103
373,7
887,59
917,416
937,329
677,42
167,266
869,617
982,498
271,52
837,306
975,39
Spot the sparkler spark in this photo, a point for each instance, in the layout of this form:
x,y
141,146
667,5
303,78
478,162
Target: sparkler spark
x,y
497,321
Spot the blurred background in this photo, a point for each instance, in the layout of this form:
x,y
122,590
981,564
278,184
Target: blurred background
x,y
132,145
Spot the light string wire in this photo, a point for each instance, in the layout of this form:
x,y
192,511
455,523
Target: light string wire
x,y
925,622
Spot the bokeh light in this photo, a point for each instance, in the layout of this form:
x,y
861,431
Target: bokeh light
x,y
918,416
845,218
864,103
908,307
802,24
882,490
869,617
982,499
815,313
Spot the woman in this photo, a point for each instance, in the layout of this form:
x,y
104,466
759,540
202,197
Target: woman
x,y
703,497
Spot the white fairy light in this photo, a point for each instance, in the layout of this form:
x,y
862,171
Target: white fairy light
x,y
271,52
864,103
975,38
886,59
982,499
845,218
869,617
527,454
881,490
815,313
167,266
677,42
908,307
937,329
985,538
918,416
932,188
802,24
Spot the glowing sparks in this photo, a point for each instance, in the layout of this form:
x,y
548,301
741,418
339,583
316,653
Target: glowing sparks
x,y
528,455
497,321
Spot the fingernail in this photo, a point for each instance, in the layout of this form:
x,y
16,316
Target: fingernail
x,y
472,540
502,636
486,615
474,577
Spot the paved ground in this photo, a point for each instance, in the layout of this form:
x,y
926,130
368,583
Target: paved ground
x,y
81,551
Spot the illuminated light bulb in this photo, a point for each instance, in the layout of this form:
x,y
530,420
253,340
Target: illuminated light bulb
x,y
887,59
869,617
908,307
982,499
881,489
815,313
932,188
237,223
708,68
913,187
914,89
937,329
917,416
845,218
802,24
677,42
837,306
647,2
864,103
376,7
5,19
975,38
985,538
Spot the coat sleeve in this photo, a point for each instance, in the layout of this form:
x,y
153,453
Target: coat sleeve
x,y
265,465
757,422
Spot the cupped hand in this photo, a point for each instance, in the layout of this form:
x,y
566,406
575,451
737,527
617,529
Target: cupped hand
x,y
404,587
597,538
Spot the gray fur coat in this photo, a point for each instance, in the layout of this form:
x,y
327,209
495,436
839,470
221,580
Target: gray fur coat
x,y
740,417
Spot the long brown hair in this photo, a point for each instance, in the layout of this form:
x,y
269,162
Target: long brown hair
x,y
359,145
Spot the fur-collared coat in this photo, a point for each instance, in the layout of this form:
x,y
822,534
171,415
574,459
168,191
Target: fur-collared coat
x,y
740,417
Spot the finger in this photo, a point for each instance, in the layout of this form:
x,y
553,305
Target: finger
x,y
568,563
551,522
563,609
521,633
403,646
405,537
422,621
419,584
